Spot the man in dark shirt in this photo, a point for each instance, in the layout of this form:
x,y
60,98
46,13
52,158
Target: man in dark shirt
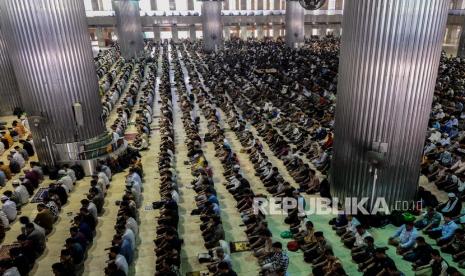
x,y
380,262
173,240
60,192
20,260
224,270
366,252
79,237
420,255
75,249
28,147
36,237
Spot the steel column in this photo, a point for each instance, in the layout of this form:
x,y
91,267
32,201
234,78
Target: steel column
x,y
192,32
212,26
295,19
10,97
129,28
388,65
52,58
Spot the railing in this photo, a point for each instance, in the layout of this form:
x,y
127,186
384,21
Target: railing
x,y
97,147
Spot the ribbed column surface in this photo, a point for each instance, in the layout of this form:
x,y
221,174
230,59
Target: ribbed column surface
x,y
52,58
295,16
260,32
461,47
192,32
156,33
226,33
388,66
212,26
174,33
9,91
100,37
129,28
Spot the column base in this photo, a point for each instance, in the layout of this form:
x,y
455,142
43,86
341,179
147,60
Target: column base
x,y
87,153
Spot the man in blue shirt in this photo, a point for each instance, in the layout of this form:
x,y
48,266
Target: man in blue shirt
x,y
444,233
134,176
2,179
125,248
404,237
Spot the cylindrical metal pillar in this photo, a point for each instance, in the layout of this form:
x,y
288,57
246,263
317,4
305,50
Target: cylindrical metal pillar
x,y
276,29
9,92
243,32
387,72
174,33
100,37
153,5
461,46
227,33
212,26
192,32
260,32
295,19
129,28
308,30
190,5
156,33
56,77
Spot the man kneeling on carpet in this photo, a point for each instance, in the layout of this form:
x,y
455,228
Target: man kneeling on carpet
x,y
278,261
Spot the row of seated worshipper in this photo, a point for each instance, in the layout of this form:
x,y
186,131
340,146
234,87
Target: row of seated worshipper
x,y
17,132
17,156
31,242
167,242
126,104
124,243
108,79
408,242
112,95
82,231
104,61
220,260
23,189
444,151
207,203
449,237
144,111
23,254
270,255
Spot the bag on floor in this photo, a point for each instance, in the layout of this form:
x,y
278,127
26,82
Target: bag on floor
x,y
293,246
286,235
204,258
157,204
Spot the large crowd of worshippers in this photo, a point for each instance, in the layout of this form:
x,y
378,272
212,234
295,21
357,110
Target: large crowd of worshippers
x,y
257,83
251,88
